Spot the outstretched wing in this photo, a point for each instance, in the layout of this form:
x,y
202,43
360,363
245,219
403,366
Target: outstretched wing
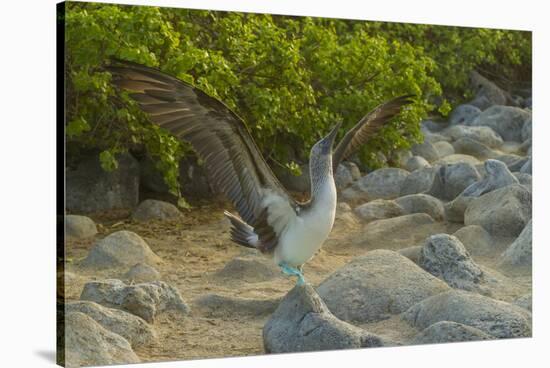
x,y
366,127
217,134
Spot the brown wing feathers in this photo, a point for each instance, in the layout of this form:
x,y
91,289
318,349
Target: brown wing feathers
x,y
366,127
218,136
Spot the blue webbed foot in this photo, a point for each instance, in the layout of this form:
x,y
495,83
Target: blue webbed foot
x,y
291,271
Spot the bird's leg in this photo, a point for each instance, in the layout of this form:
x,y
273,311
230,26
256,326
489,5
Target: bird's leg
x,y
291,271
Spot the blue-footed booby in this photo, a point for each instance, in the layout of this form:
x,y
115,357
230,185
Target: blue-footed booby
x,y
270,219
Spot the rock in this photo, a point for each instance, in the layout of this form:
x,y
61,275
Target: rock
x,y
418,181
302,322
401,157
344,218
431,126
527,130
434,138
88,343
482,134
412,253
193,178
143,300
464,114
151,209
220,306
132,328
525,302
475,239
353,169
120,249
426,150
141,272
524,179
378,209
457,158
422,203
369,289
496,318
503,212
472,147
446,331
497,176
89,188
454,210
382,183
343,177
517,164
508,159
527,167
444,149
415,163
507,121
519,253
486,91
79,227
249,268
352,195
445,257
450,180
397,232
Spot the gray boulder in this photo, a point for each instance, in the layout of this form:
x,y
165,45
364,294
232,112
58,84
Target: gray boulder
x,y
454,210
415,163
496,318
412,253
418,181
435,138
487,92
507,121
378,209
509,159
120,249
526,302
482,134
450,180
527,168
527,130
89,188
88,343
524,179
431,126
132,328
369,289
79,227
221,306
446,331
401,157
398,232
302,322
382,183
502,212
342,177
152,209
475,239
444,149
497,176
457,158
141,272
518,164
143,300
422,203
469,146
425,150
464,114
519,253
445,257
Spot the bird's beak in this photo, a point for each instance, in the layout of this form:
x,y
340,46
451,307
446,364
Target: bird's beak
x,y
330,137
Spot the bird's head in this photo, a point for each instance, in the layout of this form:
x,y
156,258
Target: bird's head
x,y
324,146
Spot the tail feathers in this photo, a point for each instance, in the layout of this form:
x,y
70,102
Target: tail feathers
x,y
242,233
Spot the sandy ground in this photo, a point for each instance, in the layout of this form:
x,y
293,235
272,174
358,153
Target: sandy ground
x,y
196,248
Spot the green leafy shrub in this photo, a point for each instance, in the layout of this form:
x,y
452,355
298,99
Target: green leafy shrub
x,y
290,78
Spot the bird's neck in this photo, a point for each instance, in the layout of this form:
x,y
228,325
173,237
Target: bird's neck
x,y
322,180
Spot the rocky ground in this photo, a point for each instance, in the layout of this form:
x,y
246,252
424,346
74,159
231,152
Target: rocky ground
x,y
438,250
